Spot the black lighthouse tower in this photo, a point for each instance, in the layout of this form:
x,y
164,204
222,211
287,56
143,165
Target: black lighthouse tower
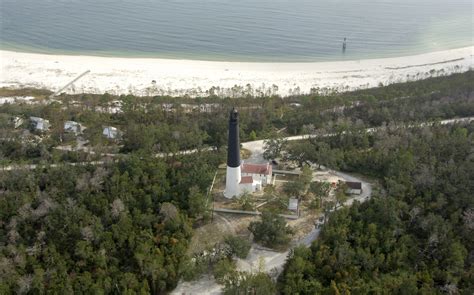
x,y
233,175
233,150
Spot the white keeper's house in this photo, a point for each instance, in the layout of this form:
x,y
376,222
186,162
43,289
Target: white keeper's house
x,y
259,172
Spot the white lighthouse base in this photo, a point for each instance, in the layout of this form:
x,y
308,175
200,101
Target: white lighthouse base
x,y
232,181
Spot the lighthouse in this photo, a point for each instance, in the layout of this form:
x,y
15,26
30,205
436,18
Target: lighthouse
x,y
233,175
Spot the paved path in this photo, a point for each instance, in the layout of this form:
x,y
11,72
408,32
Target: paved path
x,y
245,212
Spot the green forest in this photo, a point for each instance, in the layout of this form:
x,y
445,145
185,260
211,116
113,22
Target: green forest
x,y
123,227
414,237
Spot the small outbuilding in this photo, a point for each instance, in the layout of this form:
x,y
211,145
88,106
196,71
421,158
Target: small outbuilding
x,y
16,122
74,127
354,188
112,132
40,124
293,204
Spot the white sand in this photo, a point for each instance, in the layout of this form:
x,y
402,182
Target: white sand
x,y
179,77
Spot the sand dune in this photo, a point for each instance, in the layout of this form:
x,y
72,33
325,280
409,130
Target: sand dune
x,y
148,76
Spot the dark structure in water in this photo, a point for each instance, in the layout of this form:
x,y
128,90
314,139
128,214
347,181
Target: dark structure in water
x,y
344,45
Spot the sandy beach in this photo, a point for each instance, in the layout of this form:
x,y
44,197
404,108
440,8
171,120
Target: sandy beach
x,y
149,76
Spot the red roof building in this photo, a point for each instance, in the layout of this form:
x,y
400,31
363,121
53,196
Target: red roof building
x,y
246,180
261,173
262,169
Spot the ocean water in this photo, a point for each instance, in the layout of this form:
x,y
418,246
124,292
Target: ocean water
x,y
237,30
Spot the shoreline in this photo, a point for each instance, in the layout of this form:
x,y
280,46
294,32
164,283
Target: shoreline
x,y
215,58
178,77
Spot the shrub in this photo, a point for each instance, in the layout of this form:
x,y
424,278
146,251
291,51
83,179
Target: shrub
x,y
249,283
246,202
192,270
223,269
271,231
240,246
